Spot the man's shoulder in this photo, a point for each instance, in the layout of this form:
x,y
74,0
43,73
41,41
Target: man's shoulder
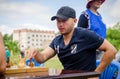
x,y
84,31
56,41
58,38
80,32
85,14
81,29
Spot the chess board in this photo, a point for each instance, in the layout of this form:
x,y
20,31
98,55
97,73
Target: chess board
x,y
25,70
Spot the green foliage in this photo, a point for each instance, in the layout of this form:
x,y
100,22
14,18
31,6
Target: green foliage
x,y
116,26
113,35
54,63
12,45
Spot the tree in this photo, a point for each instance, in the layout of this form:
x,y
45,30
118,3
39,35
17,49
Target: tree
x,y
113,35
12,45
116,26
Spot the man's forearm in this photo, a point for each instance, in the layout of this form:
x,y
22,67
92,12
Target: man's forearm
x,y
44,55
106,60
39,58
2,55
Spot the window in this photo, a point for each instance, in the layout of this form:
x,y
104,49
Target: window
x,y
40,44
40,39
28,42
51,36
28,47
40,35
32,44
44,35
36,44
32,35
36,35
28,37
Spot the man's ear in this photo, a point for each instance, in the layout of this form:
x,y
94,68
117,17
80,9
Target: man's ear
x,y
75,20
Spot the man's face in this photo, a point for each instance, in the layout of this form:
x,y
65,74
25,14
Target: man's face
x,y
96,3
65,26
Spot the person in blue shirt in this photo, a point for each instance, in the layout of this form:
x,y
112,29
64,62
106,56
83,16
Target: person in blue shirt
x,y
7,56
75,47
91,19
2,56
22,51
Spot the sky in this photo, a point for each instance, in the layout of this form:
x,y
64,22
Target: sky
x,y
36,14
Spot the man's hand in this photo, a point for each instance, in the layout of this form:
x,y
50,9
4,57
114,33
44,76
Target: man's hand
x,y
41,56
109,54
32,52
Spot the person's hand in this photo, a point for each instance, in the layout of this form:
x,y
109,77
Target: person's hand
x,y
32,52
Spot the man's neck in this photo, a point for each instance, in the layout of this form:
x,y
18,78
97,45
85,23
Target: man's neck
x,y
94,10
68,37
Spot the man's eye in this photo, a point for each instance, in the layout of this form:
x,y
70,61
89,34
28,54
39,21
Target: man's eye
x,y
64,20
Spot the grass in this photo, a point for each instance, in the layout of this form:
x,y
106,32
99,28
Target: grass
x,y
54,63
51,63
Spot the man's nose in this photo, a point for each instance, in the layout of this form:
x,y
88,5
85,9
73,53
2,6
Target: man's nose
x,y
61,23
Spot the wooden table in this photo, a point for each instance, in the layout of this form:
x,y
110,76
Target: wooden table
x,y
51,74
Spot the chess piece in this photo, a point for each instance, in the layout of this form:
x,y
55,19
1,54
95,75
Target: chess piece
x,y
8,65
14,62
31,64
21,63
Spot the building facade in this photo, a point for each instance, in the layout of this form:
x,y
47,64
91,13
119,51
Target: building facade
x,y
33,38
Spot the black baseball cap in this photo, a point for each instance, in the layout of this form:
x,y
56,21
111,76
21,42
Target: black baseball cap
x,y
64,13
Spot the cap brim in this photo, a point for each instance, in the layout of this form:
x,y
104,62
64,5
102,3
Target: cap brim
x,y
53,18
59,16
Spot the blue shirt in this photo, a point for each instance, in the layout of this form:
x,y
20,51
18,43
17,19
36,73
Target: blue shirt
x,y
93,22
7,55
80,53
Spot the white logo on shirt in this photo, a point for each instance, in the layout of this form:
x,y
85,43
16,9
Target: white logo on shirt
x,y
74,49
57,48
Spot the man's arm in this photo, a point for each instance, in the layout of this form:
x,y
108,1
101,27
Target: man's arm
x,y
41,56
109,55
83,21
2,56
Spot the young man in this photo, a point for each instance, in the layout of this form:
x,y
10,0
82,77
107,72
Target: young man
x,y
2,56
91,19
75,47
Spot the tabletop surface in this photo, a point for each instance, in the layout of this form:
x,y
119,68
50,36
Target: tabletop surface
x,y
52,74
